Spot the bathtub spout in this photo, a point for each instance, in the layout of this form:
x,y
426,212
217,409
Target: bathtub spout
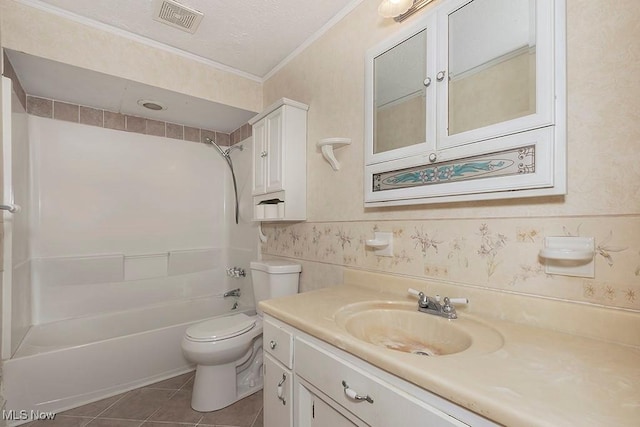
x,y
232,293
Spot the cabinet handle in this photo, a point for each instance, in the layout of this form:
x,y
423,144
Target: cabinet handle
x,y
351,394
433,157
427,82
273,344
440,75
11,208
263,154
281,391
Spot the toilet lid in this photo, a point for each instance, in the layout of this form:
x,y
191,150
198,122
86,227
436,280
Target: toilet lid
x,y
221,328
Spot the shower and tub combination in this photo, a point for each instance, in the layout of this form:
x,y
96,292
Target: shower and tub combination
x,y
117,260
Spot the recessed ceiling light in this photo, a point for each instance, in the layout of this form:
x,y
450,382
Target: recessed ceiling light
x,y
151,105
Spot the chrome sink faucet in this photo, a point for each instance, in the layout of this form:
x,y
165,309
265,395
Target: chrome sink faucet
x,y
432,305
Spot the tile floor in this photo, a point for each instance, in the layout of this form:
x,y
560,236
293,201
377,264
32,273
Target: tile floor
x,y
163,404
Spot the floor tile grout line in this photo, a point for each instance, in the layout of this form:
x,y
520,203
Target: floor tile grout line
x,y
113,404
121,419
255,418
187,381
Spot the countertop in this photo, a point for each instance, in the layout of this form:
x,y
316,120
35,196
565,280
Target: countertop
x,y
537,377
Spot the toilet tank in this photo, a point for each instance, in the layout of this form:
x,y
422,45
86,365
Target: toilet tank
x,y
274,278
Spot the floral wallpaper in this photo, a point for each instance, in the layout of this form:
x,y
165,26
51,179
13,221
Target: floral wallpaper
x,y
491,253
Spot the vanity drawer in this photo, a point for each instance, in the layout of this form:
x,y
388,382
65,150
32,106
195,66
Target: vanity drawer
x,y
278,342
388,406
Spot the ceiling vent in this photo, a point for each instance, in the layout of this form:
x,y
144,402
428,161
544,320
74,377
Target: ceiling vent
x,y
179,16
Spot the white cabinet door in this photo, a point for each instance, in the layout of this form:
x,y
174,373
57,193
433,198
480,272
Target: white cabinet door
x,y
278,386
495,70
314,411
323,415
259,153
274,151
400,97
268,154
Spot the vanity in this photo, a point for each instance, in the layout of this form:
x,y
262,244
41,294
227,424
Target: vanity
x,y
330,360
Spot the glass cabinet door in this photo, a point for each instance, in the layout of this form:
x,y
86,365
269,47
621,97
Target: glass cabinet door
x,y
400,100
495,69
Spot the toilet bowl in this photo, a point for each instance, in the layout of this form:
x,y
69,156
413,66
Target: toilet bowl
x,y
228,350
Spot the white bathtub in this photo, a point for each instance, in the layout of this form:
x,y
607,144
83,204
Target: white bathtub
x,y
69,363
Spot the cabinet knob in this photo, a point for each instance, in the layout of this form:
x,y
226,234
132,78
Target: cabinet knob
x,y
263,154
272,344
433,157
440,75
427,82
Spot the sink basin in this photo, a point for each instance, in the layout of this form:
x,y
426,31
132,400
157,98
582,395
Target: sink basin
x,y
401,327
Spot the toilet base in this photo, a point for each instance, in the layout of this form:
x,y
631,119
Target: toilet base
x,y
214,387
218,386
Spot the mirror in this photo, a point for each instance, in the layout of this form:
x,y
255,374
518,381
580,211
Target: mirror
x,y
399,95
492,63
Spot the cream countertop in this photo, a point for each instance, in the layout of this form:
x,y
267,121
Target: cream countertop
x,y
539,377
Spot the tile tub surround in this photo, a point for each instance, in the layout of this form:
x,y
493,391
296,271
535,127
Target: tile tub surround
x,y
494,253
59,110
163,404
538,377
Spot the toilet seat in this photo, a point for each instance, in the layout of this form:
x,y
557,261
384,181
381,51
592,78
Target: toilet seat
x,y
221,328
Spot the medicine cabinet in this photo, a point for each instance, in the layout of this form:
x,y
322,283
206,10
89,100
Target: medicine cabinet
x,y
468,103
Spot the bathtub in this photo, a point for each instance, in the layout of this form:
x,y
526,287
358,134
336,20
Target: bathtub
x,y
65,364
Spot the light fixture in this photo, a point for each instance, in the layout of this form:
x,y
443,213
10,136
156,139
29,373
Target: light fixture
x,y
400,10
393,8
151,105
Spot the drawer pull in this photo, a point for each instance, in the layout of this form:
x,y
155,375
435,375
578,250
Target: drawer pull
x,y
272,344
280,389
351,394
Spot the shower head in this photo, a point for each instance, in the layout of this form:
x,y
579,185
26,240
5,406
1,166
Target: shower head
x,y
234,147
222,152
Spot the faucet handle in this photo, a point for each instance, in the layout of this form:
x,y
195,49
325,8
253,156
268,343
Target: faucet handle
x,y
423,300
414,292
450,309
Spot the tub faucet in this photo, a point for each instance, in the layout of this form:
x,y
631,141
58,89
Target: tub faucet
x,y
236,272
232,293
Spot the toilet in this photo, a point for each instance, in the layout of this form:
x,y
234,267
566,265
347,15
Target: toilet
x,y
228,350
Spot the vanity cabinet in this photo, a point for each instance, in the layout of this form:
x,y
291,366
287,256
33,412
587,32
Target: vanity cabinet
x,y
334,388
468,103
279,165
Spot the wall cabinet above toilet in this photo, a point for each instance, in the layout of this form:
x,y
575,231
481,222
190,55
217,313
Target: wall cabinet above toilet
x,y
279,165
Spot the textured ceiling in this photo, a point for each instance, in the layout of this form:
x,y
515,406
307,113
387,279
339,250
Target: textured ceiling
x,y
252,36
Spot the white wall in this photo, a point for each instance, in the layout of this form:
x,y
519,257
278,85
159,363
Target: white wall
x,y
21,280
121,220
16,284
